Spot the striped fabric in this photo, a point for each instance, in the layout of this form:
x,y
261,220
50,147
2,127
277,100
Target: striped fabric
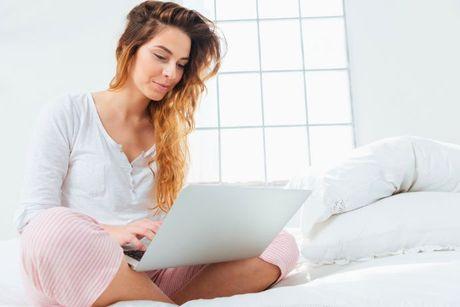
x,y
67,257
69,260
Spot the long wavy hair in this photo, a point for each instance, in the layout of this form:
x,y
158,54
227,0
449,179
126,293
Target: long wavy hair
x,y
173,116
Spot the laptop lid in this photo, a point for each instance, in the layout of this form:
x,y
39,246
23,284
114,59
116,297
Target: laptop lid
x,y
214,223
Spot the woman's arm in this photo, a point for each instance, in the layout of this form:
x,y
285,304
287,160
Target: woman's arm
x,y
47,161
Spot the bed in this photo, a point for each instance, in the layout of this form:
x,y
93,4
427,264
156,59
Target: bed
x,y
381,228
410,279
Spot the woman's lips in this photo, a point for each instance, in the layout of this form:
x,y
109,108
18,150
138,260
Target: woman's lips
x,y
161,87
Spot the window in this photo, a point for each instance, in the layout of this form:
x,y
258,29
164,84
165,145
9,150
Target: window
x,y
281,100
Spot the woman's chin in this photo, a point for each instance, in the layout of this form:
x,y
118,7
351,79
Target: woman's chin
x,y
155,96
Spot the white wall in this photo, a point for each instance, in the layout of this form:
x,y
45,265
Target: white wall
x,y
405,68
48,48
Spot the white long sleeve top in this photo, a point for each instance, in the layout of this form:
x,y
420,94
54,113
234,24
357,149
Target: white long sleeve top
x,y
73,162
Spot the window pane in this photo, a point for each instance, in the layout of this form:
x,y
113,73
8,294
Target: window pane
x,y
236,9
286,152
204,156
328,97
284,102
273,9
324,43
329,144
280,51
242,51
321,8
242,155
206,114
205,7
239,96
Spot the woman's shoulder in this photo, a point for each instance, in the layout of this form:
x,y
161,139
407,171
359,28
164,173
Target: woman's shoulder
x,y
71,104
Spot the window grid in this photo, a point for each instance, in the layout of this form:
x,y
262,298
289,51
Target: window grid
x,y
219,151
304,83
349,76
275,126
276,18
303,70
280,70
261,92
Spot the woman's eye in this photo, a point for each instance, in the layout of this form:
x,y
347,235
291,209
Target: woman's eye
x,y
163,58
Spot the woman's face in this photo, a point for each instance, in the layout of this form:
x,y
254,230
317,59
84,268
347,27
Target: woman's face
x,y
159,64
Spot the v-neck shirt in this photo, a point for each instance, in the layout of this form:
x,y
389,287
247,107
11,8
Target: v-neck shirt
x,y
72,161
107,135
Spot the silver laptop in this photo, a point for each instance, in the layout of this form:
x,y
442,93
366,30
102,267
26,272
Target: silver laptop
x,y
213,223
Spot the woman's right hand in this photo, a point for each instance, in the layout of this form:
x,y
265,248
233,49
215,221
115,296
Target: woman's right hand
x,y
130,234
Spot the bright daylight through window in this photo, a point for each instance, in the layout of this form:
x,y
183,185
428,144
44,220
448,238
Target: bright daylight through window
x,y
282,98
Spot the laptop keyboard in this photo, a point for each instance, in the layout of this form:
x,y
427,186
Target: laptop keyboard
x,y
136,254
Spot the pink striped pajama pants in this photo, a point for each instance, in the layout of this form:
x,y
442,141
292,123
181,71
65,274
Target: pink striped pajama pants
x,y
69,260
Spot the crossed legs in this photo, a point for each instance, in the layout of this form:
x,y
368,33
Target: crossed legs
x,y
229,278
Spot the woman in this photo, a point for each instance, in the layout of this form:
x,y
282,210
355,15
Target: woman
x,y
104,168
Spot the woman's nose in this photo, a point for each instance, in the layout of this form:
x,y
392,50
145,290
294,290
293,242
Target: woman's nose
x,y
170,72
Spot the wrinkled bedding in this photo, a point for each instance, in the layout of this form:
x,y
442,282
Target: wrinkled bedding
x,y
381,169
416,279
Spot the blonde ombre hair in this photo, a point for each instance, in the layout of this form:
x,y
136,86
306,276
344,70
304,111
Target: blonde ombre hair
x,y
173,116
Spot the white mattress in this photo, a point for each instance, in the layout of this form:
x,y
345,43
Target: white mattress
x,y
420,279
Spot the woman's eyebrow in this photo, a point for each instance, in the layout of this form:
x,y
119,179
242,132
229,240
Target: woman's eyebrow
x,y
168,51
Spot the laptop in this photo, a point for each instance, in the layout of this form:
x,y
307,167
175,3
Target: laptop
x,y
211,223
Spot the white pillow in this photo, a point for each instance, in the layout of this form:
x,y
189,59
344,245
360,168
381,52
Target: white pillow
x,y
381,169
305,178
406,222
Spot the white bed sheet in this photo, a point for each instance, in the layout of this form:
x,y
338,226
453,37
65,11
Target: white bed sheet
x,y
419,279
